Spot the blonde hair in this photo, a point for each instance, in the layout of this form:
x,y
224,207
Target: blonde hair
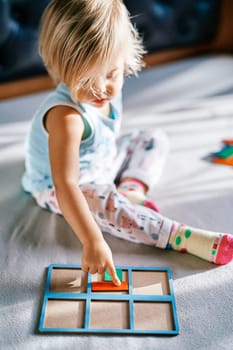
x,y
75,34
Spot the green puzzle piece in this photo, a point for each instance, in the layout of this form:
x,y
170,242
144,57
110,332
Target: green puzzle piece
x,y
225,152
107,276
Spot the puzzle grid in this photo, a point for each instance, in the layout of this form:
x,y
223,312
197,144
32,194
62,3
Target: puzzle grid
x,y
146,306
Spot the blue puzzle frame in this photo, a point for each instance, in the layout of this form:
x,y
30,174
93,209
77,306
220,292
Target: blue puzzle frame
x,y
130,298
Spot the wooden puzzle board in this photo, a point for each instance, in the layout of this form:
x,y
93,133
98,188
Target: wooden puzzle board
x,y
71,306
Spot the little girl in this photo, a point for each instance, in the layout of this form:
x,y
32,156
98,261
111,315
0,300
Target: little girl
x,y
75,157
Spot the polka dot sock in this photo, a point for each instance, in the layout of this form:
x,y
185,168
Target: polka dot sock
x,y
135,191
211,246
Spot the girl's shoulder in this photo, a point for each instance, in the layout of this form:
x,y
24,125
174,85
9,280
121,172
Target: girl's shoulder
x,y
60,96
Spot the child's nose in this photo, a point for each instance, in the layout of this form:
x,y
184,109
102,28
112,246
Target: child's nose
x,y
100,87
104,88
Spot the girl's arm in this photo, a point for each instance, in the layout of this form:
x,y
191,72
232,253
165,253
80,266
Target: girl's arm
x,y
65,128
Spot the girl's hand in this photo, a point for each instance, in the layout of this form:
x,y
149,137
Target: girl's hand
x,y
97,257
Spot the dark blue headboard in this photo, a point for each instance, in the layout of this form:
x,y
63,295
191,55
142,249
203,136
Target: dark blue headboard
x,y
175,23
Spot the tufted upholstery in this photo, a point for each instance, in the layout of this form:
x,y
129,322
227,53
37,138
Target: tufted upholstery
x,y
174,23
163,24
19,21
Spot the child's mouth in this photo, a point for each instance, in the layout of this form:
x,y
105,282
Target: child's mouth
x,y
100,101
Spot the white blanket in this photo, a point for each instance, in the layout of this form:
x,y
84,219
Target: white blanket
x,y
192,100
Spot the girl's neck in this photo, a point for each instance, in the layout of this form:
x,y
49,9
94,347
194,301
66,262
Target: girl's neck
x,y
105,110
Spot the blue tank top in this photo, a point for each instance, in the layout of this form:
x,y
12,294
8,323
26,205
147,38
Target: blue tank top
x,y
97,149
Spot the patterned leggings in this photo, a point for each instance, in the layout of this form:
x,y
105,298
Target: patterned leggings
x,y
113,212
116,215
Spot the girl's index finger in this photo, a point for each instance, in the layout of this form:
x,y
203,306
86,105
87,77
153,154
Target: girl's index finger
x,y
113,274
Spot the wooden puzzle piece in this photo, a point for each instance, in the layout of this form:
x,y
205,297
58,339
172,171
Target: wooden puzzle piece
x,y
225,152
228,141
104,286
72,303
225,155
108,277
224,161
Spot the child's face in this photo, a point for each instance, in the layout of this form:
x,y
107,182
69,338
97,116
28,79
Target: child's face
x,y
105,86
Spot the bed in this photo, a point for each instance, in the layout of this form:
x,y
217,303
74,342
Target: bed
x,y
192,100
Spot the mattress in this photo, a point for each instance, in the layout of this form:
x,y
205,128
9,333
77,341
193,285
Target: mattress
x,y
192,101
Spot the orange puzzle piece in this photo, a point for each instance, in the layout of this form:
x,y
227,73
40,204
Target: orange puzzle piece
x,y
224,161
109,286
228,141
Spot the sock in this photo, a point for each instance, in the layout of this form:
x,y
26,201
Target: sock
x,y
211,246
135,191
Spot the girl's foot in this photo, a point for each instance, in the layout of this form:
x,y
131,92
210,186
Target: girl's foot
x,y
211,246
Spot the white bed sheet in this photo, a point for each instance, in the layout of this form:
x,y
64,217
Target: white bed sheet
x,y
192,100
